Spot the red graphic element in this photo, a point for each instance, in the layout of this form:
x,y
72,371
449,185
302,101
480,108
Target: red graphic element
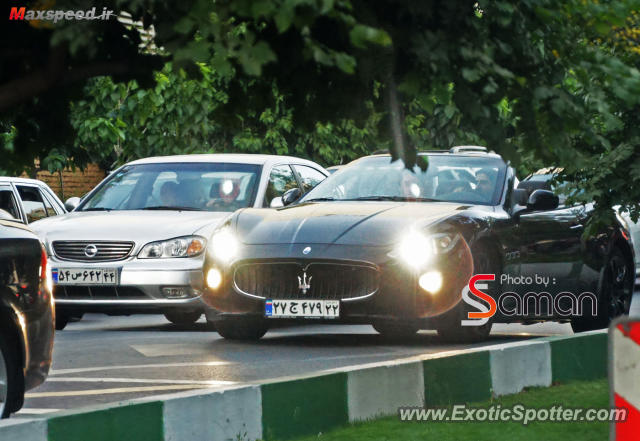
x,y
629,429
630,330
17,14
487,298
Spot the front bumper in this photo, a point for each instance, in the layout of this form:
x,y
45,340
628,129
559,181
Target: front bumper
x,y
398,296
144,286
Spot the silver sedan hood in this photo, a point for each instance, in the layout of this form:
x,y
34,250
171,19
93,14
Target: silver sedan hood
x,y
139,226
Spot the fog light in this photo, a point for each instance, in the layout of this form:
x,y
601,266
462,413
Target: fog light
x,y
431,281
175,292
214,278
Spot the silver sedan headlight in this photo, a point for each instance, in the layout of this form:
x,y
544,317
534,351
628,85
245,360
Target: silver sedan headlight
x,y
187,246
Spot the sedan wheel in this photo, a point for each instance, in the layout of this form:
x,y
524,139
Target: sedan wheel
x,y
9,377
183,318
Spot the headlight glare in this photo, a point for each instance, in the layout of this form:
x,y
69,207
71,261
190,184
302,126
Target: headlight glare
x,y
187,246
415,249
224,245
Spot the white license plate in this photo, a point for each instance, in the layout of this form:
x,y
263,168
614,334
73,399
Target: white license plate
x,y
85,276
302,308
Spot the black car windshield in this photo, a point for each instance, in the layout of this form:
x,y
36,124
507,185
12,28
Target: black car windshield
x,y
177,186
451,178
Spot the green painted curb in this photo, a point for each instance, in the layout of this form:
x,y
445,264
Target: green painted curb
x,y
138,422
304,407
583,357
458,378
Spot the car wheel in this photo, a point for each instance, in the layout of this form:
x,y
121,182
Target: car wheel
x,y
450,328
183,318
615,294
240,329
395,330
10,377
62,320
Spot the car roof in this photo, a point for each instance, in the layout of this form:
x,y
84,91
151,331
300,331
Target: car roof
x,y
245,158
22,180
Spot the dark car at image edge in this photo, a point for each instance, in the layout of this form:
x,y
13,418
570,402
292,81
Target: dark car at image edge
x,y
26,315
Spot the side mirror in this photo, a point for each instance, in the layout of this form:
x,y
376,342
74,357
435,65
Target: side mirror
x,y
290,196
541,200
72,203
276,202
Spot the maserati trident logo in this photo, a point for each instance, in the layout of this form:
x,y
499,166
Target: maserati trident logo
x,y
303,284
90,250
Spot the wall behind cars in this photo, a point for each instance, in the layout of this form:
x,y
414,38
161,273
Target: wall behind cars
x,y
70,182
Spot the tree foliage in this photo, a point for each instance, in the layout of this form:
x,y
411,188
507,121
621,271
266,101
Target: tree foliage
x,y
539,81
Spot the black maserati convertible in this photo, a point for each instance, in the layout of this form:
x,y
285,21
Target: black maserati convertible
x,y
454,244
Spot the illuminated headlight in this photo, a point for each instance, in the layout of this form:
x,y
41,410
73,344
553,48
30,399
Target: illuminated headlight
x,y
188,246
224,245
214,278
416,249
431,281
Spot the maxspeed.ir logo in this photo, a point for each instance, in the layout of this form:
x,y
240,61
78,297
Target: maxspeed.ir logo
x,y
530,304
22,13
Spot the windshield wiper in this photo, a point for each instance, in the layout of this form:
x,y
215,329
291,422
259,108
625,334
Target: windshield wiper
x,y
170,207
96,209
393,198
320,199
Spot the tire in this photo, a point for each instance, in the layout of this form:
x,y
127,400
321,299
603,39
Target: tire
x,y
183,318
62,320
450,328
10,375
240,329
615,294
395,330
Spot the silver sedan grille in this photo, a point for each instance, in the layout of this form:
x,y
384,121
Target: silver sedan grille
x,y
92,251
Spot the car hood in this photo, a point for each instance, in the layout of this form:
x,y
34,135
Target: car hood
x,y
139,226
344,223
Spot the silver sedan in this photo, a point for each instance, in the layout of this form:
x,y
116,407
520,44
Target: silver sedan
x,y
135,244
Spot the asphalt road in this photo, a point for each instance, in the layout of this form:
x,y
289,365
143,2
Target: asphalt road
x,y
103,359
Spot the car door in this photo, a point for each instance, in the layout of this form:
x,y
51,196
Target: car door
x,y
281,179
9,208
34,204
551,251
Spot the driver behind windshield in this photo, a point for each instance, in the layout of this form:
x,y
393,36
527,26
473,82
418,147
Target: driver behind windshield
x,y
224,194
485,184
170,194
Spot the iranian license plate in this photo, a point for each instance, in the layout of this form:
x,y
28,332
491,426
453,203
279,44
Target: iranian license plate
x,y
302,308
85,276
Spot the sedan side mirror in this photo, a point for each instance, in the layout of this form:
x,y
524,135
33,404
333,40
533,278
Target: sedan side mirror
x,y
276,202
542,200
72,203
290,196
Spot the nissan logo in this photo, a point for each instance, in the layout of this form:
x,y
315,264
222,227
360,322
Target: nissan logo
x,y
90,250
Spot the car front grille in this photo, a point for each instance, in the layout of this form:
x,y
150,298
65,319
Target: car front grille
x,y
330,281
98,292
106,251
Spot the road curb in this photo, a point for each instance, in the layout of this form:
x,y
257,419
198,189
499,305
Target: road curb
x,y
318,402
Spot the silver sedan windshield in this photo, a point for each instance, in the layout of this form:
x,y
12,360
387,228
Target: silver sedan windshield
x,y
177,186
450,178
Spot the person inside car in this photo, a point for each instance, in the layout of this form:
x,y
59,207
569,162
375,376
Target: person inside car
x,y
170,194
485,184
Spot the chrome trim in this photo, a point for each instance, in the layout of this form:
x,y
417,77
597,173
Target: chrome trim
x,y
77,247
161,302
304,268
